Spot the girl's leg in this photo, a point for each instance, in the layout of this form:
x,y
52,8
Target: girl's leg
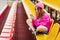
x,y
42,29
29,22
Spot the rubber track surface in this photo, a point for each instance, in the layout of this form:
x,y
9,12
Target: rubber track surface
x,y
21,28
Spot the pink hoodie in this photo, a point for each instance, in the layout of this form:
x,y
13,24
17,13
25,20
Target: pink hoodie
x,y
45,21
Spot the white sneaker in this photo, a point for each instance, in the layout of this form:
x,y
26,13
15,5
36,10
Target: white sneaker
x,y
34,32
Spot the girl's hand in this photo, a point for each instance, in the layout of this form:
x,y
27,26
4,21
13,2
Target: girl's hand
x,y
32,17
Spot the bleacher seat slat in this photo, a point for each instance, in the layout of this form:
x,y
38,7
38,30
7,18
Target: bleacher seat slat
x,y
8,29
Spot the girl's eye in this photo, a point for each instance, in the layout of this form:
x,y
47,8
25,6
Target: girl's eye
x,y
37,8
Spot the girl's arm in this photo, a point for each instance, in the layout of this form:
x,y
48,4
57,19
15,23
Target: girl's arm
x,y
32,17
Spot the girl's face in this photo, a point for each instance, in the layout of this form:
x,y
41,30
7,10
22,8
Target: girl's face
x,y
38,10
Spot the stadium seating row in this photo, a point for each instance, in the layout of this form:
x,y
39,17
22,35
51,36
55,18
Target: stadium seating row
x,y
8,29
54,30
54,4
3,10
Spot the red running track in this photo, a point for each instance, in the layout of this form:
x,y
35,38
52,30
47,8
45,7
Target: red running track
x,y
21,28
